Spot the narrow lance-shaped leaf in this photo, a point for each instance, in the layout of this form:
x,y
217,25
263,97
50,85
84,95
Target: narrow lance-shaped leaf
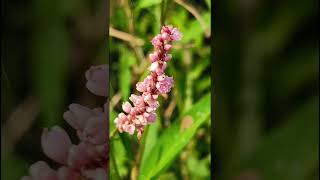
x,y
175,138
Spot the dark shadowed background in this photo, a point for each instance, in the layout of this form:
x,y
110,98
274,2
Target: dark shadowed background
x,y
266,75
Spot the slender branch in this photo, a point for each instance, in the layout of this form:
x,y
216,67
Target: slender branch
x,y
125,37
115,100
162,16
196,14
183,46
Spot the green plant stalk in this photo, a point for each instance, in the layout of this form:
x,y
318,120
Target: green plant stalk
x,y
163,12
136,167
113,161
113,133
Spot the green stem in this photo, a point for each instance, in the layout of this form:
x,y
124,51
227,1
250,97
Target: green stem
x,y
143,144
115,169
163,13
136,168
113,133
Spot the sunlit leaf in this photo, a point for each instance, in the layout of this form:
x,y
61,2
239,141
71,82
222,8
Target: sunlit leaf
x,y
147,3
151,141
202,171
175,138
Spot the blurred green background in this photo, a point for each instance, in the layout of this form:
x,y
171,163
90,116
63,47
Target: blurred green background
x,y
46,48
266,91
177,145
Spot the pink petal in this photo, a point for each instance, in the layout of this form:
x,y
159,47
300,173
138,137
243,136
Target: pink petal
x,y
96,174
55,144
65,173
78,115
41,171
126,107
78,156
97,80
96,130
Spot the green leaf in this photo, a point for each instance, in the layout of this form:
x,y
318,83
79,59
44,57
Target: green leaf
x,y
200,67
202,171
126,141
292,151
112,116
119,154
114,173
167,176
195,28
148,3
174,139
203,84
208,2
180,18
151,141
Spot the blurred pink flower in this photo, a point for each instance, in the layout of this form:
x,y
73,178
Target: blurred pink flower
x,y
142,111
97,80
88,159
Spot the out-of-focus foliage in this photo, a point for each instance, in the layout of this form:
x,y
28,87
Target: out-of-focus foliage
x,y
266,75
46,48
180,138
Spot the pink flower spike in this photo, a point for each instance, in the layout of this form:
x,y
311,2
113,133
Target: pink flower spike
x,y
142,112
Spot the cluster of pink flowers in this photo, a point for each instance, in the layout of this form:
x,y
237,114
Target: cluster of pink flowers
x,y
89,158
142,112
